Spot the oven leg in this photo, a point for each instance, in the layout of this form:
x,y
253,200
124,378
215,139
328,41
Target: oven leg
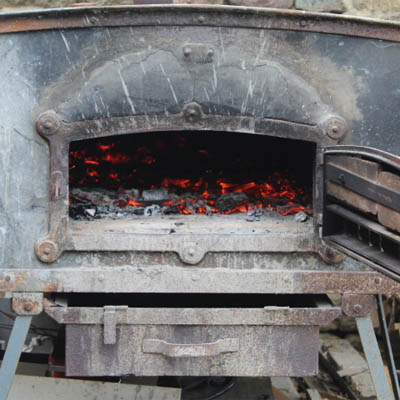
x,y
374,358
13,353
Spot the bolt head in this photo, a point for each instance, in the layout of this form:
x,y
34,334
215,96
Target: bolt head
x,y
201,19
48,123
28,307
47,251
357,308
187,51
335,127
192,112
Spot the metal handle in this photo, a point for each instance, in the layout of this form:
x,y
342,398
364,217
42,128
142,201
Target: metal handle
x,y
156,346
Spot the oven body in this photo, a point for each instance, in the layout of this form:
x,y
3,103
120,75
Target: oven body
x,y
86,73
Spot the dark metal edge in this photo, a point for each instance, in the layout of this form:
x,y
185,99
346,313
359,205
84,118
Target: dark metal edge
x,y
199,15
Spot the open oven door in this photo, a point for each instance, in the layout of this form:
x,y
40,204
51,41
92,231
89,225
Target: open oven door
x,y
361,214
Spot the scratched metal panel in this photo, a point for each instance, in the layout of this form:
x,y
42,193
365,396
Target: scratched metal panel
x,y
91,72
262,351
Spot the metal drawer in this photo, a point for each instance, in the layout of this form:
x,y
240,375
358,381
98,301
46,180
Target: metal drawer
x,y
274,341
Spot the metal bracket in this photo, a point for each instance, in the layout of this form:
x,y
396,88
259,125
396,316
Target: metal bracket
x,y
356,305
27,303
13,353
374,359
198,53
110,320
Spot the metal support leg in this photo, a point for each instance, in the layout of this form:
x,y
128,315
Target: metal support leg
x,y
374,358
388,347
13,353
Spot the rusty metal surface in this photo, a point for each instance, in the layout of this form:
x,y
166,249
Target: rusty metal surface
x,y
169,279
263,351
199,316
355,305
221,16
27,303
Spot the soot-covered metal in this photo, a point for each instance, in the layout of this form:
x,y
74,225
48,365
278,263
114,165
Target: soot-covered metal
x,y
111,113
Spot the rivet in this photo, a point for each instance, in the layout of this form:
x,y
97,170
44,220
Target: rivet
x,y
357,308
378,280
47,124
303,23
201,19
28,307
92,20
100,278
335,129
191,252
8,278
187,51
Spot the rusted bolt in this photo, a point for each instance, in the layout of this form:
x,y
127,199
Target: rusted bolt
x,y
48,123
191,254
46,251
192,112
28,307
201,19
334,126
357,308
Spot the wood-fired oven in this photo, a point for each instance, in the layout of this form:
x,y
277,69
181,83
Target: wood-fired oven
x,y
195,180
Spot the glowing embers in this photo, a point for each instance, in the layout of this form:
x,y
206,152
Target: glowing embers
x,y
189,173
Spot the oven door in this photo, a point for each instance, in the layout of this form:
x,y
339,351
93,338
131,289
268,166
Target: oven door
x,y
362,206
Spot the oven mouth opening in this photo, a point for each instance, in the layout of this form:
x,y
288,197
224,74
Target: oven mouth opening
x,y
202,174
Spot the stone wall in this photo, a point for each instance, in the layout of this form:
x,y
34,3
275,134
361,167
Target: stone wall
x,y
387,9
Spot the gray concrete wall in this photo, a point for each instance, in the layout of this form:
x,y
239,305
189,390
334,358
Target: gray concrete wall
x,y
387,9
